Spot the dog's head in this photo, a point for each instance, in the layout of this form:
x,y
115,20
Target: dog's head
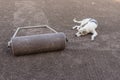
x,y
83,32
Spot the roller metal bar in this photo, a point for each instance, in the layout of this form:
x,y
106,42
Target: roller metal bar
x,y
29,27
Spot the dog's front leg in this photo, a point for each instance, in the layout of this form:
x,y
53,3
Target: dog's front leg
x,y
94,35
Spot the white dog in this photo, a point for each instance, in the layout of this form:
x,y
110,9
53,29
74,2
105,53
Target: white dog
x,y
86,26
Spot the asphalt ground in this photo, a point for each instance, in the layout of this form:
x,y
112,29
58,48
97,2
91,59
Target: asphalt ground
x,y
82,58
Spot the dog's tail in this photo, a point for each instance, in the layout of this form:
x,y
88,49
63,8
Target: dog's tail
x,y
76,20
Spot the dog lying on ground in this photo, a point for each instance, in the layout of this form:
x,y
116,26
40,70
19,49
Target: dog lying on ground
x,y
86,26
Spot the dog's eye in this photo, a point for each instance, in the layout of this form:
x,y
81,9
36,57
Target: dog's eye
x,y
80,32
84,32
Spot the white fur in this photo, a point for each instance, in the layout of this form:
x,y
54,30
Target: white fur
x,y
86,26
84,21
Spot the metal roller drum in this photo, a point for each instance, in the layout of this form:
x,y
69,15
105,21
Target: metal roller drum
x,y
23,45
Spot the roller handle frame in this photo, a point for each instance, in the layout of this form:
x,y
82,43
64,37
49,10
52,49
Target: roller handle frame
x,y
29,27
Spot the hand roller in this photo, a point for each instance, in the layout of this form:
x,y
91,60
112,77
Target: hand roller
x,y
22,45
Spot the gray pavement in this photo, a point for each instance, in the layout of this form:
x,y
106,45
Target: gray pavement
x,y
82,58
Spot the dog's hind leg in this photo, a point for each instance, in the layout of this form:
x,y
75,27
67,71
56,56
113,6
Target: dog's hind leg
x,y
94,35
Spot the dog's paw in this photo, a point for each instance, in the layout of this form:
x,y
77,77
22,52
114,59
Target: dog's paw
x,y
73,27
74,20
92,38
